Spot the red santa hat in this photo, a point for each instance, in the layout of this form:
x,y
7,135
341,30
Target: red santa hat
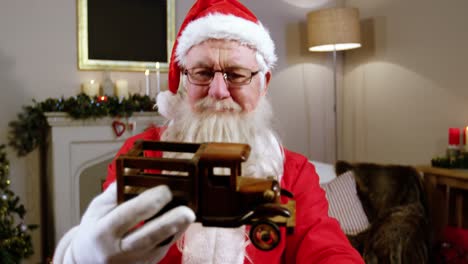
x,y
216,19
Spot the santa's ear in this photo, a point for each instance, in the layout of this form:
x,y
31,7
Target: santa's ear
x,y
267,82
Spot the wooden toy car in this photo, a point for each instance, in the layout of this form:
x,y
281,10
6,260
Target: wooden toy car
x,y
221,200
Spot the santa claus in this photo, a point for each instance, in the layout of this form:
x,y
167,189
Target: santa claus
x,y
219,73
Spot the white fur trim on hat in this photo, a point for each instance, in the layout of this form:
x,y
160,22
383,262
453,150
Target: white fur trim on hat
x,y
167,102
221,26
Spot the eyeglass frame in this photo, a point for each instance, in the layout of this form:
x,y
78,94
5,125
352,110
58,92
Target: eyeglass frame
x,y
224,74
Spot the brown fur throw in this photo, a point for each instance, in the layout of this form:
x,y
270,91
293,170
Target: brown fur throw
x,y
395,203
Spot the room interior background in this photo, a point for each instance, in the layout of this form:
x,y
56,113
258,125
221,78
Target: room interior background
x,y
397,95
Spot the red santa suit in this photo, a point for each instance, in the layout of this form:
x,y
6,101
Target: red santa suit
x,y
317,238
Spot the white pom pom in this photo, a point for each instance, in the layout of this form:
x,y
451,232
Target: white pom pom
x,y
167,103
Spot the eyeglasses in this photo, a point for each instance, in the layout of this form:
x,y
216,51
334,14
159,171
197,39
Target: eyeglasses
x,y
232,76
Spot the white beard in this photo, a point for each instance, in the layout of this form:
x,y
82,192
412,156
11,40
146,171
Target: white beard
x,y
224,121
232,125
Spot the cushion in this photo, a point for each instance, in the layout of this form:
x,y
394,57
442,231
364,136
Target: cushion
x,y
344,204
325,171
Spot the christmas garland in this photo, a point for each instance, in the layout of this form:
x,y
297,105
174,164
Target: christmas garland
x,y
30,129
15,238
458,162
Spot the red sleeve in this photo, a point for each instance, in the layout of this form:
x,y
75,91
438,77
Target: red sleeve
x,y
317,237
152,133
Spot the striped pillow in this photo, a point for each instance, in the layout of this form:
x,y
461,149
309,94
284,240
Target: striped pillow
x,y
344,204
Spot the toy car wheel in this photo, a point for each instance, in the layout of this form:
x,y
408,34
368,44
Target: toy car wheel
x,y
265,235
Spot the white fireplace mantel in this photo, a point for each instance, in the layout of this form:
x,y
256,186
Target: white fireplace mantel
x,y
73,146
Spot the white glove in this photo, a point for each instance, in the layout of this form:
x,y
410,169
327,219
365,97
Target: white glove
x,y
105,233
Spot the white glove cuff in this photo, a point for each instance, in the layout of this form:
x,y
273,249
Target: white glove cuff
x,y
63,250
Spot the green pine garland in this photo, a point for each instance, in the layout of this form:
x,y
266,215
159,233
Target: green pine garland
x,y
30,129
15,239
459,162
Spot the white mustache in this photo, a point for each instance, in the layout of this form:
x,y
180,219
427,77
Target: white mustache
x,y
212,105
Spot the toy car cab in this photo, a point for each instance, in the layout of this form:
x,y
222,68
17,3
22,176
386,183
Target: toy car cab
x,y
210,183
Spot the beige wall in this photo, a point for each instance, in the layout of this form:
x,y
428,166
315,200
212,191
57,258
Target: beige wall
x,y
408,85
38,58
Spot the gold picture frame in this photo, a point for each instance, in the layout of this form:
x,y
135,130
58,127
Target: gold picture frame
x,y
86,61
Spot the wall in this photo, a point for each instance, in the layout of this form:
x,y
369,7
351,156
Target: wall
x,y
408,84
38,59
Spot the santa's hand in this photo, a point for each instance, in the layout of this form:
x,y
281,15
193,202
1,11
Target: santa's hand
x,y
106,235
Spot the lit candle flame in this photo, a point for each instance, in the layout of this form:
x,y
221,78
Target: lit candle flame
x,y
146,72
157,65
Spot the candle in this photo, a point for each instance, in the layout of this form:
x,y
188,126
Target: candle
x,y
102,99
453,149
454,136
91,88
147,90
465,138
158,87
121,88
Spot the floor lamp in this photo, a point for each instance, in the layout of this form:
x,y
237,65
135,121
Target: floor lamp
x,y
333,29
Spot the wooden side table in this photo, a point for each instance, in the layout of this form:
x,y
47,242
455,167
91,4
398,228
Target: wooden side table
x,y
441,184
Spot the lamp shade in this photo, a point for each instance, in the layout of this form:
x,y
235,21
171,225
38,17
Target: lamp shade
x,y
333,29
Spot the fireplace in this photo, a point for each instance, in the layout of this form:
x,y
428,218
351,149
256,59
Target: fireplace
x,y
77,156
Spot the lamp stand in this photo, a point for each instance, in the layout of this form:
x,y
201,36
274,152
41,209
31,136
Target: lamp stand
x,y
335,110
333,29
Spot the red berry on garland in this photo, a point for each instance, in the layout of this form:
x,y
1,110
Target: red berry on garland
x,y
102,98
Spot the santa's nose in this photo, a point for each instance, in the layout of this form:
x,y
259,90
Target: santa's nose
x,y
218,87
